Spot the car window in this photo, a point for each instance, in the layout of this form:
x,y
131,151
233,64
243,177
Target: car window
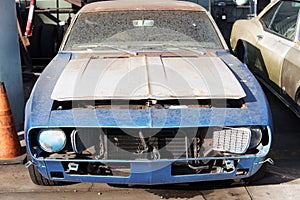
x,y
143,29
282,19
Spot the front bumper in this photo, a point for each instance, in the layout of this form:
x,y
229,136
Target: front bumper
x,y
145,172
116,167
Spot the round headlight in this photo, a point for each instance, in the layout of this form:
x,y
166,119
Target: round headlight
x,y
52,140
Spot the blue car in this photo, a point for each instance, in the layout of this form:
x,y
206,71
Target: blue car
x,y
145,92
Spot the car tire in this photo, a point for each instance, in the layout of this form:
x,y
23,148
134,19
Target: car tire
x,y
297,98
37,178
241,53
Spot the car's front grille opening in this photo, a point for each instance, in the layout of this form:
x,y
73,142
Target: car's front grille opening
x,y
148,143
136,144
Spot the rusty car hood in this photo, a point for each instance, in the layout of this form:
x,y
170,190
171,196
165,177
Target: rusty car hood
x,y
146,77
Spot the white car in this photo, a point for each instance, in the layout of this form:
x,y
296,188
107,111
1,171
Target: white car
x,y
270,46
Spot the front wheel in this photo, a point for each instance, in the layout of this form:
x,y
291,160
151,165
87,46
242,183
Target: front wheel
x,y
37,178
241,53
297,98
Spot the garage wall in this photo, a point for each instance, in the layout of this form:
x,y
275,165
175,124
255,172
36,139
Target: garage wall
x,y
10,66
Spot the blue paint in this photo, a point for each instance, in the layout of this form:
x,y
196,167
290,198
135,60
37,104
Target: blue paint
x,y
148,173
40,115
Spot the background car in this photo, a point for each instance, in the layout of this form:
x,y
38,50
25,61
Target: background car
x,y
270,46
138,95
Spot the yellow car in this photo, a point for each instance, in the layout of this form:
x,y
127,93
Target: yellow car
x,y
270,45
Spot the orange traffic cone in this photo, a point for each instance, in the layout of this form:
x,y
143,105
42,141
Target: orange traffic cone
x,y
9,143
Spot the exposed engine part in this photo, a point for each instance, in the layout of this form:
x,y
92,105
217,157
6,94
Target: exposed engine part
x,y
155,155
229,165
147,148
98,169
197,146
101,147
199,168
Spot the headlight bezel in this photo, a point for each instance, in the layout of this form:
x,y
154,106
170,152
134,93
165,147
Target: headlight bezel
x,y
256,137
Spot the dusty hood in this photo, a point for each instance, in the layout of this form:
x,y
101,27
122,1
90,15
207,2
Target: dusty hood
x,y
147,78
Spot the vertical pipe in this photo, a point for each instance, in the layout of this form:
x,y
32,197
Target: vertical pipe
x,y
57,11
10,65
255,8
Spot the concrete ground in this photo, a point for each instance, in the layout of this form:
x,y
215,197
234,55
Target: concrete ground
x,y
282,181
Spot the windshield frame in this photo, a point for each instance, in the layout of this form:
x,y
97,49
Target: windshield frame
x,y
223,46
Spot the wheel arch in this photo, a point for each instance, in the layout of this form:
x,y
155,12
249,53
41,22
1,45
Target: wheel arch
x,y
240,50
297,93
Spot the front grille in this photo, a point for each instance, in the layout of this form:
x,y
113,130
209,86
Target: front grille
x,y
164,145
132,144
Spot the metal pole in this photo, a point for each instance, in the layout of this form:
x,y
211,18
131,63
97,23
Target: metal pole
x,y
57,11
255,8
10,65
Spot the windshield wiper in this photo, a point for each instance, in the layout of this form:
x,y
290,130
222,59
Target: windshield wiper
x,y
170,46
91,47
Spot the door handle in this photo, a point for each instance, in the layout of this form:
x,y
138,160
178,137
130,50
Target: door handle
x,y
260,37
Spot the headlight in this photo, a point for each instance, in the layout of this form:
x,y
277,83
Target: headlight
x,y
52,140
233,140
236,140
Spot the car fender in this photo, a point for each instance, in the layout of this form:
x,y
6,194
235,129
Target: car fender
x,y
39,104
240,32
290,77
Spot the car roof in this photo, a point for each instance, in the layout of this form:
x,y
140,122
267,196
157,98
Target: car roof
x,y
123,5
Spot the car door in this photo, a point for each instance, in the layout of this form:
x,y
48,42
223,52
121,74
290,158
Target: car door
x,y
277,39
290,76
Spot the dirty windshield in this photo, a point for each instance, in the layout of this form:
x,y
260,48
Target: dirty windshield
x,y
143,30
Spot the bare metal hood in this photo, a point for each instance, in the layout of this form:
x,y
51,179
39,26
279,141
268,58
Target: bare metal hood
x,y
147,77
